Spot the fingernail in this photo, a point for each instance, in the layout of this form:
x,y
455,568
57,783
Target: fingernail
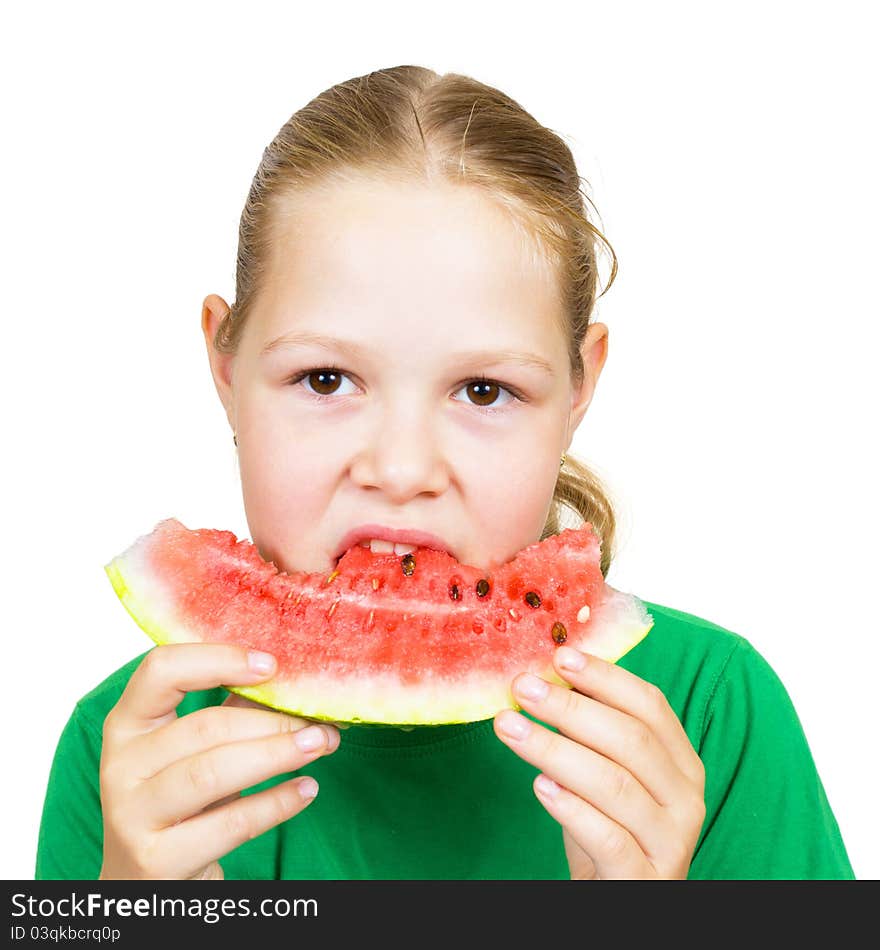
x,y
531,687
308,787
570,659
332,738
310,738
261,662
513,724
546,786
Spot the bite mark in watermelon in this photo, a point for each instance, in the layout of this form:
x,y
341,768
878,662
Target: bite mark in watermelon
x,y
414,640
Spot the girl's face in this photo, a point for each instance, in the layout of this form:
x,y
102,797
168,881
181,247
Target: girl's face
x,y
404,369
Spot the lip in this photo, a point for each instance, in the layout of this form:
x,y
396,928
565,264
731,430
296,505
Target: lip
x,y
419,539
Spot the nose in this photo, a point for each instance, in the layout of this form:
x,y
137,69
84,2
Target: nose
x,y
401,455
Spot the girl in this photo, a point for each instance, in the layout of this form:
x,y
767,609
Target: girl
x,y
411,350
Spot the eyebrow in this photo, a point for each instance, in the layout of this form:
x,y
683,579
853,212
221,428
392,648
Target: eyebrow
x,y
357,351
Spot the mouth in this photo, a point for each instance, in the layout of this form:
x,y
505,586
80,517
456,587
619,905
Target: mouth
x,y
378,546
380,540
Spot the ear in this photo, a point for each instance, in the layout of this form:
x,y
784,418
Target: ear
x,y
214,309
594,351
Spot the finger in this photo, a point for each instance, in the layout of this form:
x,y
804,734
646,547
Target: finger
x,y
188,785
221,801
615,853
169,672
206,729
617,687
214,833
233,699
589,775
617,735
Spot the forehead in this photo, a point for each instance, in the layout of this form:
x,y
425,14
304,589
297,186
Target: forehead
x,y
434,258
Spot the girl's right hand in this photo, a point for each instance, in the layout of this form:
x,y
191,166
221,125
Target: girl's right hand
x,y
170,785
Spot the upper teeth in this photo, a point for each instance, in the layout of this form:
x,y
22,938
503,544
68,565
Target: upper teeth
x,y
387,547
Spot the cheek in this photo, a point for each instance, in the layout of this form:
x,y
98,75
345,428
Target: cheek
x,y
286,485
279,454
278,475
508,507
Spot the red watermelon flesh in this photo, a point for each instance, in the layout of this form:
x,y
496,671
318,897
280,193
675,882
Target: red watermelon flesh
x,y
382,638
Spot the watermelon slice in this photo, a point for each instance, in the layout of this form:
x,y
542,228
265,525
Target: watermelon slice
x,y
417,639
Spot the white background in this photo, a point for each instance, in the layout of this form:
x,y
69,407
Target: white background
x,y
731,151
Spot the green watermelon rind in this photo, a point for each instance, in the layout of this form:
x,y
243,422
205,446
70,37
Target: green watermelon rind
x,y
477,702
132,604
620,616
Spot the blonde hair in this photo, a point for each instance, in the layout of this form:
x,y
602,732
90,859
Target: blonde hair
x,y
409,123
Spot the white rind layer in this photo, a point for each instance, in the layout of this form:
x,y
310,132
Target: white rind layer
x,y
615,626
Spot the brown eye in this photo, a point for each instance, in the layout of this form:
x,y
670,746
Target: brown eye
x,y
324,381
483,393
487,394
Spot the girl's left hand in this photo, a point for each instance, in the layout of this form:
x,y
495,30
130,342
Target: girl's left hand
x,y
621,776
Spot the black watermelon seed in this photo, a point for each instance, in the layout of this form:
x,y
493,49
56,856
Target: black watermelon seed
x,y
408,563
454,592
482,587
558,633
532,599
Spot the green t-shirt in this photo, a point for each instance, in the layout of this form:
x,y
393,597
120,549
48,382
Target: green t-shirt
x,y
454,802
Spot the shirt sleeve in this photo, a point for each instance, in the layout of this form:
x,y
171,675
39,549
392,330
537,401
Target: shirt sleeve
x,y
767,815
71,836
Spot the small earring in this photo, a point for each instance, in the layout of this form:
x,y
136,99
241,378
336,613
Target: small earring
x,y
562,460
235,440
